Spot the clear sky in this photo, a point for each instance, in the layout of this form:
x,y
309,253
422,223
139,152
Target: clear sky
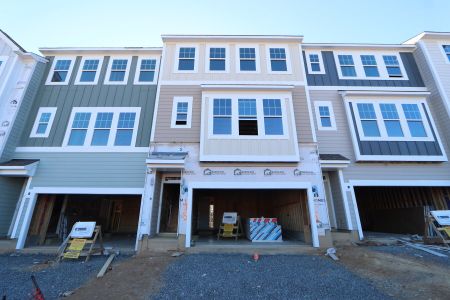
x,y
91,23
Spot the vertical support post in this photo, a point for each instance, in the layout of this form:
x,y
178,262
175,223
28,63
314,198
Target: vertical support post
x,y
358,219
345,199
145,215
312,217
31,197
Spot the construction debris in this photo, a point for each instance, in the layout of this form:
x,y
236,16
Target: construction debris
x,y
331,252
106,265
423,248
177,254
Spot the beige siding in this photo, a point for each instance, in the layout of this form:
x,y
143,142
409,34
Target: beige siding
x,y
171,64
302,115
440,62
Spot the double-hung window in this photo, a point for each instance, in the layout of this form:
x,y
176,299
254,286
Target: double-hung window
x,y
186,59
370,65
146,70
278,59
391,120
414,120
118,70
273,117
446,49
181,112
89,71
248,121
222,117
392,66
43,122
247,59
347,65
79,129
125,128
368,119
102,129
60,71
314,62
217,57
325,115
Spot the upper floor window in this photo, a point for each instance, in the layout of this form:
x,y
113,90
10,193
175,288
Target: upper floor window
x,y
347,65
186,59
60,71
89,71
248,123
217,57
325,115
102,126
414,120
446,49
43,123
145,71
392,65
247,59
278,60
118,70
182,112
314,63
222,116
370,65
273,117
368,119
391,119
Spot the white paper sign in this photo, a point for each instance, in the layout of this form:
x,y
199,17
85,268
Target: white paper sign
x,y
82,230
442,217
229,218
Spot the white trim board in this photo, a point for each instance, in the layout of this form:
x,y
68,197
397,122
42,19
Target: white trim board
x,y
411,183
84,190
115,149
366,88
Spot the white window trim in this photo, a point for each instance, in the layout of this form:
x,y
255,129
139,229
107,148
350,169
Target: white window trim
x,y
284,99
91,126
69,72
138,70
257,58
332,117
3,59
177,100
177,58
359,69
227,58
441,45
97,73
308,62
52,111
288,59
403,122
127,71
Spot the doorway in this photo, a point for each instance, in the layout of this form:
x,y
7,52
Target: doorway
x,y
169,208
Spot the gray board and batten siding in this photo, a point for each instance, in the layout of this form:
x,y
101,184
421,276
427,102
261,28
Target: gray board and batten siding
x,y
420,148
66,97
331,78
10,189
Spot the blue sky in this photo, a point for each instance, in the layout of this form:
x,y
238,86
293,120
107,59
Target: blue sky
x,y
87,23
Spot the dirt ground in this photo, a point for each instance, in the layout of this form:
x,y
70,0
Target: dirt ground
x,y
399,276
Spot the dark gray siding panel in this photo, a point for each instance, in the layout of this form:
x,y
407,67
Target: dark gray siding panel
x,y
10,188
68,96
421,148
24,111
331,78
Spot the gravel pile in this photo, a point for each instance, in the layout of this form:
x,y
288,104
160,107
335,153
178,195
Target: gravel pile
x,y
417,254
228,276
15,272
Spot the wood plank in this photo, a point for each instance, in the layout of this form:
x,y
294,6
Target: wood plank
x,y
106,265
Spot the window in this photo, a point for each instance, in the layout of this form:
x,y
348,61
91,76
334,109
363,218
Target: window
x,y
118,70
248,122
145,71
181,112
102,127
60,71
314,62
391,120
222,116
414,120
370,65
186,59
79,129
324,115
392,66
89,71
347,65
247,59
278,60
125,129
368,119
217,57
43,122
273,121
446,49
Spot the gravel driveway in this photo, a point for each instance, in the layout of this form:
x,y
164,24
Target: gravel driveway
x,y
229,276
15,272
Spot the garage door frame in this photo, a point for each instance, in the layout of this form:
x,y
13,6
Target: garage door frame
x,y
251,185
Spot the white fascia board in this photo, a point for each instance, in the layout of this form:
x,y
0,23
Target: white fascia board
x,y
246,87
164,161
324,46
401,158
367,88
249,158
175,37
399,182
84,190
426,34
384,93
334,162
26,171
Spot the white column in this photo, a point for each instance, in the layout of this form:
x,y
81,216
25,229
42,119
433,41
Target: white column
x,y
145,216
29,203
312,217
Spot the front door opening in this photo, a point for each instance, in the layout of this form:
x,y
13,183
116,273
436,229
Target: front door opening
x,y
169,208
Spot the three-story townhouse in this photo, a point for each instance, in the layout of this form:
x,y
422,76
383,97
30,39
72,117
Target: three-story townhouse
x,y
382,154
20,72
232,132
89,129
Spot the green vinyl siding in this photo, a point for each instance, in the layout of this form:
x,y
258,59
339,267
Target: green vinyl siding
x,y
10,189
